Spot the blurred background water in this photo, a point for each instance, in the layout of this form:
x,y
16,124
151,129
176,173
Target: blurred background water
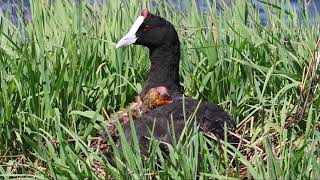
x,y
312,6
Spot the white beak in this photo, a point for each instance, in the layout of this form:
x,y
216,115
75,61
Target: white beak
x,y
131,37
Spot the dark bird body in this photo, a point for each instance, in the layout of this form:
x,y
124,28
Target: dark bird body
x,y
161,38
210,117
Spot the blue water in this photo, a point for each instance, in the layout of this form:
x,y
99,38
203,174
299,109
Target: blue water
x,y
313,7
15,5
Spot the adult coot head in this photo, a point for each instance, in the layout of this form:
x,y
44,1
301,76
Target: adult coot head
x,y
161,38
150,31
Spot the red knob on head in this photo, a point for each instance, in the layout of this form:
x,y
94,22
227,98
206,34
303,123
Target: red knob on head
x,y
145,13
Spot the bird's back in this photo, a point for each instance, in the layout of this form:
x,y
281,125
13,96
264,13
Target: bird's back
x,y
170,119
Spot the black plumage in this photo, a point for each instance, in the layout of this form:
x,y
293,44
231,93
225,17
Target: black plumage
x,y
161,38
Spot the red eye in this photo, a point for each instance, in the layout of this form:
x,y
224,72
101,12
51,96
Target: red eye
x,y
147,28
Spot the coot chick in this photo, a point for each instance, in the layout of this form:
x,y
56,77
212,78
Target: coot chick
x,y
161,38
158,96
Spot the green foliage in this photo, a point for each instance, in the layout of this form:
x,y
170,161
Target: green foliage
x,y
61,70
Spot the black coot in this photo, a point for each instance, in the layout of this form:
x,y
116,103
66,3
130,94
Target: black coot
x,y
161,38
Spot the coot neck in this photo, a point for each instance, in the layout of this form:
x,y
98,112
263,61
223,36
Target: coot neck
x,y
164,69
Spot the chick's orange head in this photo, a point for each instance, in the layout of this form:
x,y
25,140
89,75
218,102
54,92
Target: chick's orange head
x,y
164,97
162,90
